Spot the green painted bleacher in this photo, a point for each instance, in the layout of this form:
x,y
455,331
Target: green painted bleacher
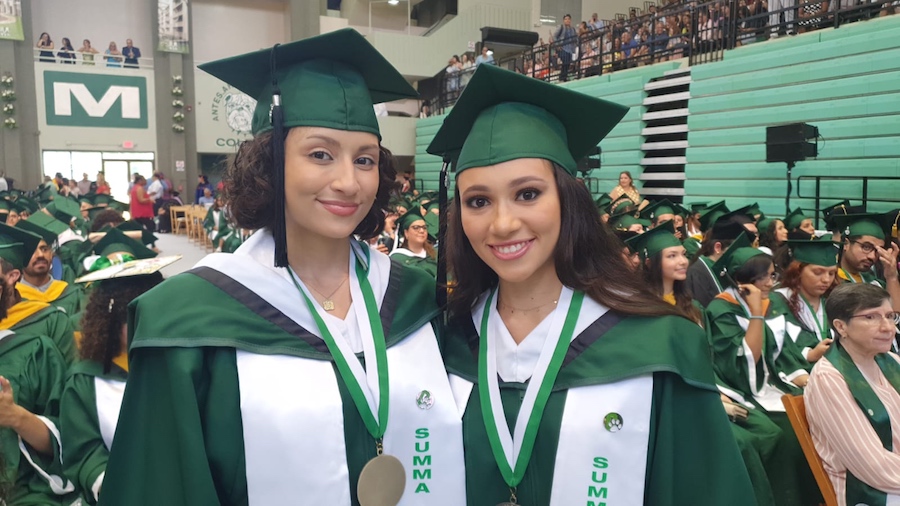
x,y
843,81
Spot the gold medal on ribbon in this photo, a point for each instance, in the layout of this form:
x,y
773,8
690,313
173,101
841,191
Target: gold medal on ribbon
x,y
381,482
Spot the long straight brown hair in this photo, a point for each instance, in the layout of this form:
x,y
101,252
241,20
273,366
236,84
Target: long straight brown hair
x,y
683,300
588,257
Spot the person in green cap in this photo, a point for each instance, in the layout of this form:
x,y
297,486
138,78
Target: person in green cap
x,y
747,337
805,285
37,283
571,347
853,398
32,372
659,212
665,270
317,373
799,226
866,242
414,250
840,208
216,224
92,397
701,282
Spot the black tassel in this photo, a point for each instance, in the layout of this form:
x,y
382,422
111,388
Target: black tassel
x,y
279,233
441,295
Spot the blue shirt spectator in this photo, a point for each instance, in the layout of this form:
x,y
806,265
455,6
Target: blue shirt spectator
x,y
628,44
484,57
595,23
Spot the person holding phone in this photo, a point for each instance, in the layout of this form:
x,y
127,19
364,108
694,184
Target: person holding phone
x,y
747,336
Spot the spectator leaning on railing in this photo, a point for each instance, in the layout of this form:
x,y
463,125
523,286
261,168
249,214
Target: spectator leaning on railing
x,y
131,54
87,52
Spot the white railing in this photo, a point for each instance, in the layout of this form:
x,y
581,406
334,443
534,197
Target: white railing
x,y
89,59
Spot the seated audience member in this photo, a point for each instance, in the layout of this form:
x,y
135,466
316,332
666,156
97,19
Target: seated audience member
x,y
799,226
207,199
853,398
805,285
415,250
747,338
33,372
93,391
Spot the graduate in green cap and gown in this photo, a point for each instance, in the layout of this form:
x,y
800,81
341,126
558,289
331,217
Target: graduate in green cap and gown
x,y
800,226
748,339
701,282
805,285
304,368
866,242
37,283
32,372
415,250
92,398
562,361
664,263
216,224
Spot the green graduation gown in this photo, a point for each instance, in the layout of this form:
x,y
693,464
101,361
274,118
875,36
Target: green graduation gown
x,y
761,387
42,319
804,341
232,377
217,225
407,258
36,371
691,456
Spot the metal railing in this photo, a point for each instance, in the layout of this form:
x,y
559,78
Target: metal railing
x,y
700,32
864,193
99,59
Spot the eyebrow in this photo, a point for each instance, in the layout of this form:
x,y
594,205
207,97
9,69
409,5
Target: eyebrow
x,y
333,142
515,182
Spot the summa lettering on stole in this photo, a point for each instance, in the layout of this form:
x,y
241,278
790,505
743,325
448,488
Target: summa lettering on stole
x,y
598,489
422,461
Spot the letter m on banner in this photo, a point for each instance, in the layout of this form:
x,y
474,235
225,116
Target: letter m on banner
x,y
95,100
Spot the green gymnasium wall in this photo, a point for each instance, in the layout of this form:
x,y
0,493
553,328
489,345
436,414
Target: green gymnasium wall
x,y
845,81
621,148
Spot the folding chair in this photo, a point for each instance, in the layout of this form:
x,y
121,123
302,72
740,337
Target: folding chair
x,y
796,412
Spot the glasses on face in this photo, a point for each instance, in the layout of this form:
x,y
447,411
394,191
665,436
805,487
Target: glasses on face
x,y
418,228
867,247
774,277
875,318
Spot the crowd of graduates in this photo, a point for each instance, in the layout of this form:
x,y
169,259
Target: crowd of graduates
x,y
758,285
62,342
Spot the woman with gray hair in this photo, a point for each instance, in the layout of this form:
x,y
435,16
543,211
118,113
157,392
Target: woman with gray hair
x,y
853,398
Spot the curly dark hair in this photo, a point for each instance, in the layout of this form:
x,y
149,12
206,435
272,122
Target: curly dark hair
x,y
248,187
106,312
588,257
106,217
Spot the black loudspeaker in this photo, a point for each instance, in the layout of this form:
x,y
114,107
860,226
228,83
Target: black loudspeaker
x,y
491,35
787,143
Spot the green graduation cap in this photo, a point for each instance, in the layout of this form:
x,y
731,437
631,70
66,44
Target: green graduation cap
x,y
658,208
409,218
682,211
147,237
94,211
5,206
753,209
65,210
431,204
45,194
330,81
696,207
824,253
43,225
844,207
432,221
603,202
503,116
623,220
741,215
654,240
712,213
793,220
856,225
25,204
115,241
740,251
17,245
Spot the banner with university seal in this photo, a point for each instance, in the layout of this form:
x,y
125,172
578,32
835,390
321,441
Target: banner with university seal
x,y
11,20
224,115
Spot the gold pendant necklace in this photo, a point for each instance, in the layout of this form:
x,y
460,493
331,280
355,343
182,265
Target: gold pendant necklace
x,y
328,303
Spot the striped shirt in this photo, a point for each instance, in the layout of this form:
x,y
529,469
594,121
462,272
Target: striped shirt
x,y
843,436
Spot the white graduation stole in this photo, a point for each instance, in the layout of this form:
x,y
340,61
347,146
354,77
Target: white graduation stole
x,y
108,393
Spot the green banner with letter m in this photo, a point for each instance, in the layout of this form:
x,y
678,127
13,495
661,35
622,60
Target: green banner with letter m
x,y
95,100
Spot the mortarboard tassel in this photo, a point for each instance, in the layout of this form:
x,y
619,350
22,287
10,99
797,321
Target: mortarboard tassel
x,y
277,119
441,295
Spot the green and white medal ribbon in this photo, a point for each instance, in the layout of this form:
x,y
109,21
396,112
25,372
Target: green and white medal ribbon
x,y
368,388
512,452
